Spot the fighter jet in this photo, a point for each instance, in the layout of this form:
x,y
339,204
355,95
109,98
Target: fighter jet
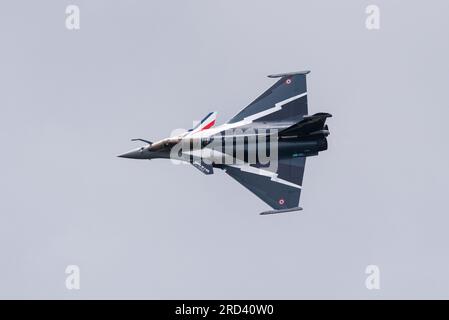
x,y
264,146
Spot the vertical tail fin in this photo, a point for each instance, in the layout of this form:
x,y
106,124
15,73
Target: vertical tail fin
x,y
207,122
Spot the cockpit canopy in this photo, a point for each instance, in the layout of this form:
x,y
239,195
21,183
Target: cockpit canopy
x,y
164,143
170,142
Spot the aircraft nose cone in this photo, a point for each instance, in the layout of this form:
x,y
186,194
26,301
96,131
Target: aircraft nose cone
x,y
133,154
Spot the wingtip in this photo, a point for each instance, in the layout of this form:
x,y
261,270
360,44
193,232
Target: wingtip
x,y
265,213
280,75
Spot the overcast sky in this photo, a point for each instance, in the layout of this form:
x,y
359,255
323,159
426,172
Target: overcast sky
x,y
71,101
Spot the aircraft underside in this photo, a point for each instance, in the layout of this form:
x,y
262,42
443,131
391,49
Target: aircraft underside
x,y
264,147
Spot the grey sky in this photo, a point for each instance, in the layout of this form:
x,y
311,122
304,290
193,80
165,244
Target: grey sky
x,y
71,100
